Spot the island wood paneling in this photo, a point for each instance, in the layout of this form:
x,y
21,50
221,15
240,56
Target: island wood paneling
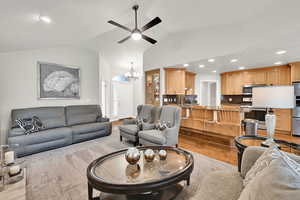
x,y
224,123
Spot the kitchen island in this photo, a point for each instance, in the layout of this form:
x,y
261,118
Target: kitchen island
x,y
218,124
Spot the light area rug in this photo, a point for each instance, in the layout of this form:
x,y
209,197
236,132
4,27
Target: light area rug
x,y
60,174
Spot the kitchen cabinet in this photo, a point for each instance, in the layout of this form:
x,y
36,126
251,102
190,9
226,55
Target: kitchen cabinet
x,y
190,82
283,120
279,76
224,84
284,75
179,81
295,72
232,82
259,77
247,78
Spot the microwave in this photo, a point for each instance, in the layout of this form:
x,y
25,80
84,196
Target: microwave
x,y
247,89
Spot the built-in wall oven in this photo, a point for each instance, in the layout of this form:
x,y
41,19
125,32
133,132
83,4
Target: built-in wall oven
x,y
296,110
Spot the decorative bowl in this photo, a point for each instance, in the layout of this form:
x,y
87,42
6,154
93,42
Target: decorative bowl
x,y
149,155
132,155
162,154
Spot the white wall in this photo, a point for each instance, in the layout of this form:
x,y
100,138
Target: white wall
x,y
18,79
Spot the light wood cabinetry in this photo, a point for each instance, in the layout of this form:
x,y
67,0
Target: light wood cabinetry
x,y
232,82
177,80
283,120
295,72
190,82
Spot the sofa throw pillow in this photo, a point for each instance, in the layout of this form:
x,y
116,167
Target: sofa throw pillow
x,y
261,163
163,125
280,180
30,125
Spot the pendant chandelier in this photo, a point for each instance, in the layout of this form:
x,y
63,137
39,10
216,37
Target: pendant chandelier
x,y
132,74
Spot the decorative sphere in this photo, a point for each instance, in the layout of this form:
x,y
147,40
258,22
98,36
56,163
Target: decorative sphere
x,y
149,155
162,154
132,155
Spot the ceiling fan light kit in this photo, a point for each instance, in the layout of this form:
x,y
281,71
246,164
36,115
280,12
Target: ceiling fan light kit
x,y
136,33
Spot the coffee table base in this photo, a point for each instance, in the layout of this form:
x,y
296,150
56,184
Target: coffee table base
x,y
167,194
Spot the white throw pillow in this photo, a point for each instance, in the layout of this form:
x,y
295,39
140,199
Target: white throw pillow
x,y
261,163
279,181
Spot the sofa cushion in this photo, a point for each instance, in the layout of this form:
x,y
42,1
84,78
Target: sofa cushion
x,y
82,114
129,129
220,185
262,162
42,141
43,136
154,136
280,180
51,117
16,132
90,127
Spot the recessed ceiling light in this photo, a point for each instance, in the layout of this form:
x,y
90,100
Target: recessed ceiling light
x,y
214,71
242,67
186,65
211,60
45,19
281,52
201,66
278,63
233,60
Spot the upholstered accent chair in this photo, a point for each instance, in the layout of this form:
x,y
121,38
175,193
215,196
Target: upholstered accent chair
x,y
169,136
130,129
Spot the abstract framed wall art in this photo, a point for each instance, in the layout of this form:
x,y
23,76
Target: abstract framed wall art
x,y
57,81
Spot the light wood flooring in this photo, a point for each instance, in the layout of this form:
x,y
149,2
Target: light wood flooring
x,y
215,150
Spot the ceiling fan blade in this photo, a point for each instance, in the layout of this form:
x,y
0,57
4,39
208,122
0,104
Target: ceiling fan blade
x,y
121,41
149,39
152,23
119,25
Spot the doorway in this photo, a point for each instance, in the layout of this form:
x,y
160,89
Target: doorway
x,y
208,93
122,93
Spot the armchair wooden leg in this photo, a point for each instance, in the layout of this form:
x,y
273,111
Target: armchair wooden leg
x,y
121,138
176,145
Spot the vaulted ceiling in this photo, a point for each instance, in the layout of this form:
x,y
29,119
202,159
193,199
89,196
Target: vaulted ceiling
x,y
84,22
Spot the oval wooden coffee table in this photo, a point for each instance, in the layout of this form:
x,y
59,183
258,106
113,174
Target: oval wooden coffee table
x,y
145,180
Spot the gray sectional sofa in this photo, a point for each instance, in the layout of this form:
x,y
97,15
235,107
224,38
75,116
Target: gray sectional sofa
x,y
63,126
228,185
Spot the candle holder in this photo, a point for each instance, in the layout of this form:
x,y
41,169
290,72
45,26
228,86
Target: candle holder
x,y
10,169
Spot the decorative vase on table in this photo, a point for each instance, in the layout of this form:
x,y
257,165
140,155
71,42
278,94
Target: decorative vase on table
x,y
149,155
132,155
270,119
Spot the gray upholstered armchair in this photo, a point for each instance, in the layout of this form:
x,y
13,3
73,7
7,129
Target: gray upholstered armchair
x,y
168,136
130,129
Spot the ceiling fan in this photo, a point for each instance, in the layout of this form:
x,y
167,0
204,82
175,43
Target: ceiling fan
x,y
137,33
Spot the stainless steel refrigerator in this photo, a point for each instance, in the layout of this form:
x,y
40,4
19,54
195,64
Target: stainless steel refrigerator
x,y
296,110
